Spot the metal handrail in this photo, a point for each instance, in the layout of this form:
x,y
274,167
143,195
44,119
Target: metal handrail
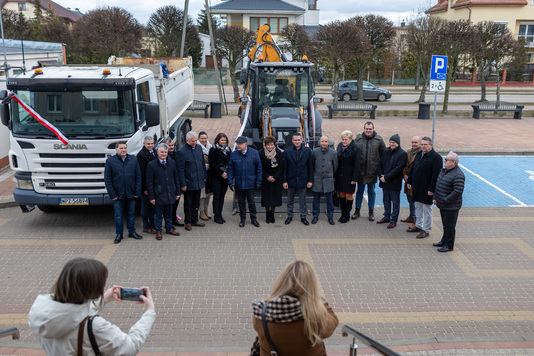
x,y
14,332
346,330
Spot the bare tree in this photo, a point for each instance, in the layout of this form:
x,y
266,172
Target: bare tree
x,y
491,46
330,45
379,33
297,41
232,43
457,37
424,39
104,32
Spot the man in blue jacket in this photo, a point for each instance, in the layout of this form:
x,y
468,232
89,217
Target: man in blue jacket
x,y
192,173
244,170
389,170
297,176
122,177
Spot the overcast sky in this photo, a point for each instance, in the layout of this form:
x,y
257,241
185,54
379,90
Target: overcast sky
x,y
395,10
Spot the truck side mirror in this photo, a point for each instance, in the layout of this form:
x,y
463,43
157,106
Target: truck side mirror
x,y
151,113
4,109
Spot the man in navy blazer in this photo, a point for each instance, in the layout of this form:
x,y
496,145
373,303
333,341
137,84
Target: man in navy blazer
x,y
297,176
244,170
163,186
122,177
192,173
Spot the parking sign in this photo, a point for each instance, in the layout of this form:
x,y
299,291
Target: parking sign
x,y
439,68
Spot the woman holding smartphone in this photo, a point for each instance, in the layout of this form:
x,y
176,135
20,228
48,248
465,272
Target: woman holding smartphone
x,y
57,318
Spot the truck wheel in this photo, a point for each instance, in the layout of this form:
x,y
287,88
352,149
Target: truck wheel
x,y
346,97
182,131
48,208
382,97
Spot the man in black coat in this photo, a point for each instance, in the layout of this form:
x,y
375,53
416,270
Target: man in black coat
x,y
448,198
163,187
172,155
422,181
192,172
122,177
145,155
297,176
389,170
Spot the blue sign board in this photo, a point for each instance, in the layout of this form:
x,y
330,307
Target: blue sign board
x,y
438,70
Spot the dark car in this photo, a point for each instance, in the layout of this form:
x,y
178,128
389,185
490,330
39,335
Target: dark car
x,y
348,91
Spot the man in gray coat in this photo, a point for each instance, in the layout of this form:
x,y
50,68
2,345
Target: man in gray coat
x,y
448,198
324,167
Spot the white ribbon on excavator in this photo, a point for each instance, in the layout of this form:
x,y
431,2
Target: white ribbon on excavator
x,y
39,118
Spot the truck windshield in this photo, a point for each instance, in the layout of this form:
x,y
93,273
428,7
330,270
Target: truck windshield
x,y
283,87
76,113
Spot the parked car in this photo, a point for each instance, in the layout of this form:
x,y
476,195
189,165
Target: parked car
x,y
348,91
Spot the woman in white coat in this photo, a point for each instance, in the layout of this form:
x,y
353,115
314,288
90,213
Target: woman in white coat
x,y
78,293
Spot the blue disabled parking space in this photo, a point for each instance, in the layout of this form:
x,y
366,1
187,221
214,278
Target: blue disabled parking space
x,y
493,181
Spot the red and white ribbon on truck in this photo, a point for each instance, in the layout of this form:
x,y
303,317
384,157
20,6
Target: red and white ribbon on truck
x,y
39,118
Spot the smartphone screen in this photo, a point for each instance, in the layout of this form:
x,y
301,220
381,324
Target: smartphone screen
x,y
132,294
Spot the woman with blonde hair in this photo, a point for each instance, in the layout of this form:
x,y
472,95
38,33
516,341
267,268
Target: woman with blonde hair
x,y
297,319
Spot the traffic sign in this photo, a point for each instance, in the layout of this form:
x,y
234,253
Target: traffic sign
x,y
437,86
438,69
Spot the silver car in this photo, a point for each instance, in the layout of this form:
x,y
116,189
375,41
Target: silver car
x,y
348,91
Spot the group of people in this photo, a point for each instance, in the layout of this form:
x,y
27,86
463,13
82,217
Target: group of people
x,y
294,320
160,176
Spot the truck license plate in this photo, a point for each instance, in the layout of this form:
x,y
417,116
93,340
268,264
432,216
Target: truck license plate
x,y
73,201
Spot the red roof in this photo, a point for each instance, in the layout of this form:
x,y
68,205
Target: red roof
x,y
464,3
58,9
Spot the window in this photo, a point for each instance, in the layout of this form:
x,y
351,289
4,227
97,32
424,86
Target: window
x,y
143,94
22,6
526,31
277,23
312,4
55,104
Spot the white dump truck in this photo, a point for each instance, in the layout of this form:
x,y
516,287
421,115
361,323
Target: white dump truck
x,y
64,122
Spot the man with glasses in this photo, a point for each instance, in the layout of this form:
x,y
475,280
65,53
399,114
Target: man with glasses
x,y
416,147
448,198
422,181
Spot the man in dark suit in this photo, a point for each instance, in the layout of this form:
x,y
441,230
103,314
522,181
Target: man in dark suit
x,y
145,155
172,155
163,187
297,176
422,182
122,177
245,171
192,173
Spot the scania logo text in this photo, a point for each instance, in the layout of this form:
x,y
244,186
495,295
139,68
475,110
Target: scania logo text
x,y
73,146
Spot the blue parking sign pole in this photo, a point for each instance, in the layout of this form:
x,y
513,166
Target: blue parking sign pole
x,y
438,72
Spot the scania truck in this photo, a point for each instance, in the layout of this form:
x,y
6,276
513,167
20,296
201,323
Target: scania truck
x,y
64,123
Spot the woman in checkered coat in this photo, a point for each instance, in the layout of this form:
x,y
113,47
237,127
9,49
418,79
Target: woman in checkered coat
x,y
298,319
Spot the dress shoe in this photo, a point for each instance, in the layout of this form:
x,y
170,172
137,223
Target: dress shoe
x,y
118,239
408,220
288,221
188,227
173,232
255,223
413,229
242,223
135,235
391,225
176,223
444,249
422,234
331,221
382,221
149,231
198,224
314,220
304,221
438,244
371,215
356,214
159,235
218,219
222,219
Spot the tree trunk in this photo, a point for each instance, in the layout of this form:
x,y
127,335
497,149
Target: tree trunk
x,y
335,81
498,86
235,87
361,73
417,71
482,84
423,91
450,74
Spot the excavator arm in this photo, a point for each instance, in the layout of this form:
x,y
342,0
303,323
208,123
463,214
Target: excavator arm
x,y
266,47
